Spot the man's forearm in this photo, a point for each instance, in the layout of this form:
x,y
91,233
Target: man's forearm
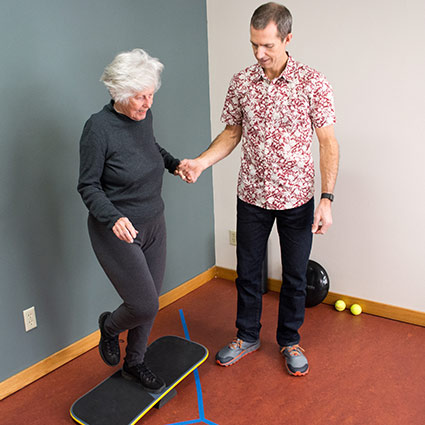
x,y
329,158
221,147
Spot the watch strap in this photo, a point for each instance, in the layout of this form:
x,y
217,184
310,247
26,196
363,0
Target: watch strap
x,y
329,196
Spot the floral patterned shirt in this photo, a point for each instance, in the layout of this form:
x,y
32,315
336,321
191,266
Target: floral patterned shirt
x,y
277,119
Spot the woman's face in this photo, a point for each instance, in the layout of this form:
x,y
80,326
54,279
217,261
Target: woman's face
x,y
137,105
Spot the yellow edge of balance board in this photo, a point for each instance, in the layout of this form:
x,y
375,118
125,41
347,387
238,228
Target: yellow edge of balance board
x,y
154,401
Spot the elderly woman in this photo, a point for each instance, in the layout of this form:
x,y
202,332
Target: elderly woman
x,y
121,170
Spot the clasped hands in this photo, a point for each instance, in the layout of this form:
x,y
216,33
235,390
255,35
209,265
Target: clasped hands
x,y
189,170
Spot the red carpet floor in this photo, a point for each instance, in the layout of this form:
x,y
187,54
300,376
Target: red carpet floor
x,y
363,370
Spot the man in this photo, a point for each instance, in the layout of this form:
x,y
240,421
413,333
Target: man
x,y
273,106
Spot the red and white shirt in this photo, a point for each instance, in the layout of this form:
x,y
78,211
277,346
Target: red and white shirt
x,y
277,119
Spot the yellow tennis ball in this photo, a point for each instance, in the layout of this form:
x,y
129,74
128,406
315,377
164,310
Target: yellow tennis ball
x,y
340,305
355,309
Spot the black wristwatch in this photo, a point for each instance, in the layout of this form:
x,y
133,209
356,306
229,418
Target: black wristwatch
x,y
329,196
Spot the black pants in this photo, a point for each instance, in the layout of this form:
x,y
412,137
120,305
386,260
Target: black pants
x,y
254,225
136,270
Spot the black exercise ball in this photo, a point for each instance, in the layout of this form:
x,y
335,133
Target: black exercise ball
x,y
317,284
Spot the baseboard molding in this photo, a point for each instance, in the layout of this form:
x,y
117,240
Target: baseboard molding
x,y
227,274
42,368
187,287
379,309
370,307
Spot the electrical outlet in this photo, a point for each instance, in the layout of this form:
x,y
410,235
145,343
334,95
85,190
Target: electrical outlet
x,y
30,320
232,237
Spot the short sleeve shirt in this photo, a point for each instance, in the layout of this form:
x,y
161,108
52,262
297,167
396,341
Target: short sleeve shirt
x,y
278,118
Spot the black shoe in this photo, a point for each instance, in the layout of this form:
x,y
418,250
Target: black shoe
x,y
109,346
141,373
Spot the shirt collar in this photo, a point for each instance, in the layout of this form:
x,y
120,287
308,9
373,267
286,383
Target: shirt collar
x,y
287,73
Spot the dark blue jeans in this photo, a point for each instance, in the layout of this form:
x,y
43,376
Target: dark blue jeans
x,y
254,225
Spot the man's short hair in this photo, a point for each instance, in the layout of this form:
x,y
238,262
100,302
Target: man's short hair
x,y
273,12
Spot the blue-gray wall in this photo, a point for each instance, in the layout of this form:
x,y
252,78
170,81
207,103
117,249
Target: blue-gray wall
x,y
52,53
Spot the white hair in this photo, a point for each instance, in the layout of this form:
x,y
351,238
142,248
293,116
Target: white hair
x,y
131,72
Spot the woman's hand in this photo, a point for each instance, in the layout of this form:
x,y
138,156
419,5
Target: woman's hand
x,y
124,230
190,169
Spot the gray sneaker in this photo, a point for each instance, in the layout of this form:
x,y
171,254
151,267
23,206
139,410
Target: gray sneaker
x,y
296,361
233,352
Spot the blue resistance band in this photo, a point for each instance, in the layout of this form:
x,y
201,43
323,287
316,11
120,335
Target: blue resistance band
x,y
202,418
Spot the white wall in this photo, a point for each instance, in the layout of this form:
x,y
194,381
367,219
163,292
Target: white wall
x,y
372,53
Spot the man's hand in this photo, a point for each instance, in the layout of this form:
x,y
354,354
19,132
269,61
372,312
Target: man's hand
x,y
124,230
190,169
322,217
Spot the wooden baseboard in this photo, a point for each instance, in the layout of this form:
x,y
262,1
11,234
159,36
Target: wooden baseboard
x,y
378,309
227,274
186,288
370,307
42,368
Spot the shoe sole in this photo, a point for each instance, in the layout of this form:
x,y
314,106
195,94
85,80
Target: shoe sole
x,y
298,373
236,359
130,377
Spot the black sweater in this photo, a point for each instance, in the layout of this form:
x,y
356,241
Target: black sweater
x,y
121,167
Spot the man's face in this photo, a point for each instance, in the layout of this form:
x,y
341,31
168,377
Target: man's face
x,y
269,49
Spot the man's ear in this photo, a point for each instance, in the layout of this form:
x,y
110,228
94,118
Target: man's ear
x,y
288,38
